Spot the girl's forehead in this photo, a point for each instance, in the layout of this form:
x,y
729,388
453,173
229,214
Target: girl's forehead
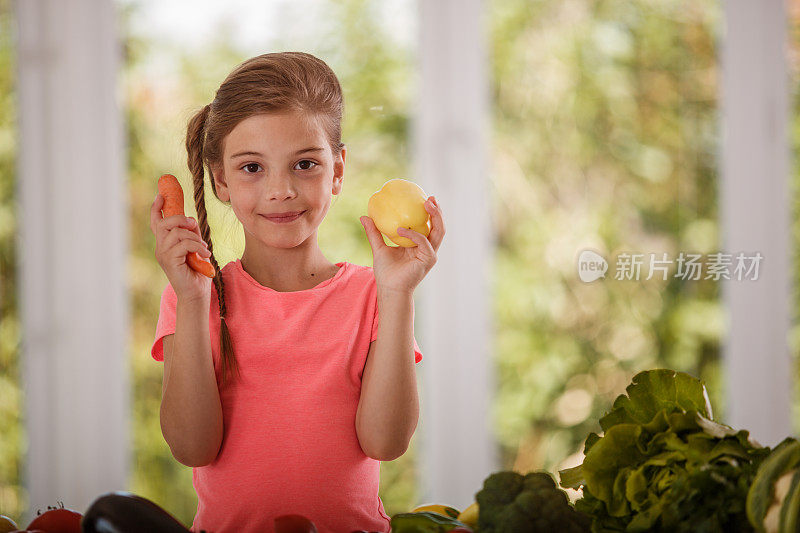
x,y
280,128
275,132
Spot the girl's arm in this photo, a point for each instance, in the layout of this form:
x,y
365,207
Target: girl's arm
x,y
388,409
191,412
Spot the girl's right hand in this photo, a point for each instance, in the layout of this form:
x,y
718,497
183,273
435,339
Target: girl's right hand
x,y
176,236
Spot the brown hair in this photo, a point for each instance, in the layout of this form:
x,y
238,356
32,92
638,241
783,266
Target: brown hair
x,y
277,82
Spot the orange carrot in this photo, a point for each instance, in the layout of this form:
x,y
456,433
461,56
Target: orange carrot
x,y
170,189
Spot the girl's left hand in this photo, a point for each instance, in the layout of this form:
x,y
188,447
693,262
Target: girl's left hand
x,y
399,268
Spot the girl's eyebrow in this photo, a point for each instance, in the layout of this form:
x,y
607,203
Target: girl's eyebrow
x,y
309,149
246,153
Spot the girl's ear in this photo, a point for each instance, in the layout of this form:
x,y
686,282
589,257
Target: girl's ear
x,y
338,171
219,183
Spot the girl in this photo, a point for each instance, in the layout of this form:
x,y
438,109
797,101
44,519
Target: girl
x,y
280,387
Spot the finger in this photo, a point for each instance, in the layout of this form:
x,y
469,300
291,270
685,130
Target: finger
x,y
175,221
198,247
186,246
187,234
437,223
190,223
418,238
373,234
178,235
155,212
193,225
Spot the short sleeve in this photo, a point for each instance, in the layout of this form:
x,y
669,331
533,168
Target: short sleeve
x,y
376,321
166,321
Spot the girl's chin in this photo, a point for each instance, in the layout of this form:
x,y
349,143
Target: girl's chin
x,y
278,238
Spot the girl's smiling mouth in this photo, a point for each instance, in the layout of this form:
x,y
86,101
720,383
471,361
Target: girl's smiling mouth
x,y
283,219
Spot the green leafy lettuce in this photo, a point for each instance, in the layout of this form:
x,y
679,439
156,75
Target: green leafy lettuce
x,y
663,464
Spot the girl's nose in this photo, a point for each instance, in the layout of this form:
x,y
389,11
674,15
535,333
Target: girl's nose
x,y
279,187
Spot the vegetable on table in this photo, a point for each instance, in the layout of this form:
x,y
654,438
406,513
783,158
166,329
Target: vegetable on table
x,y
663,464
444,510
470,515
170,189
294,523
57,520
773,501
123,512
510,502
6,524
427,522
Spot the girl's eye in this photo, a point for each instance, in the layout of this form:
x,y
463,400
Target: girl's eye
x,y
308,162
252,165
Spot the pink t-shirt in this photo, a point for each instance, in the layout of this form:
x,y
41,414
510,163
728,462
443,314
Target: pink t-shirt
x,y
289,444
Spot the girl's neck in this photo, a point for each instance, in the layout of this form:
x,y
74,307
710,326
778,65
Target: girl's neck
x,y
291,273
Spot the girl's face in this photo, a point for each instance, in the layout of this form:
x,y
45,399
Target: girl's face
x,y
276,163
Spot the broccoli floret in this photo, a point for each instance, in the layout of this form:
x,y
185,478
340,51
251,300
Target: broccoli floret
x,y
512,503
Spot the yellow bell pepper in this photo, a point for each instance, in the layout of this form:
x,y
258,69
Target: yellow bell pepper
x,y
399,203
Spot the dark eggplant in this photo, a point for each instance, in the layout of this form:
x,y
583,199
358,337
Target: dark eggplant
x,y
294,523
123,512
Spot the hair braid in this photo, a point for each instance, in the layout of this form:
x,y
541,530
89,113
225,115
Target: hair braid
x,y
195,138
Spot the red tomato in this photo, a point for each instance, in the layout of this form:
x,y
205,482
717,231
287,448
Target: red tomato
x,y
57,520
294,523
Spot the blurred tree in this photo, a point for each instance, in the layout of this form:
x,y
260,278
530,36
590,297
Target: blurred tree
x,y
793,7
604,138
13,498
